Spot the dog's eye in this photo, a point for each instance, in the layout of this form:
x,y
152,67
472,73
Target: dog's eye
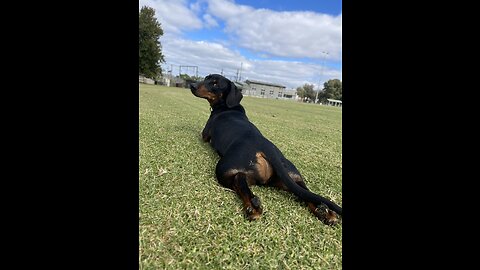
x,y
214,83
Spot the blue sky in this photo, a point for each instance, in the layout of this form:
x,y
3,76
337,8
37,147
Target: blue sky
x,y
285,42
333,7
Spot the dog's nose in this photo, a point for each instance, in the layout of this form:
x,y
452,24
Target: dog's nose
x,y
193,86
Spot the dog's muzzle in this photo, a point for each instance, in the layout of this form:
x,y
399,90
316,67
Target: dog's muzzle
x,y
193,88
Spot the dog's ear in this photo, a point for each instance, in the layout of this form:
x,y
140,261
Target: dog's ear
x,y
234,97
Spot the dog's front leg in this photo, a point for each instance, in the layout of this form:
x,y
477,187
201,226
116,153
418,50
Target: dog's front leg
x,y
206,133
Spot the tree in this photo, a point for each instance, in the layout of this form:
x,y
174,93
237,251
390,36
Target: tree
x,y
301,92
191,78
197,78
332,89
150,49
184,77
306,92
187,77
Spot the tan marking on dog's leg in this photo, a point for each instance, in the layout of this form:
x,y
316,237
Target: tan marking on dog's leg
x,y
263,168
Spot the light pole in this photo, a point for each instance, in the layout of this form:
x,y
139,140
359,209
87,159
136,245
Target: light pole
x,y
321,74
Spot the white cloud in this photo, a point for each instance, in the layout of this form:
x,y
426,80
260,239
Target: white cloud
x,y
286,34
211,57
209,21
174,15
196,7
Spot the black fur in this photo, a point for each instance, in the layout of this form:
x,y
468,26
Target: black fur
x,y
247,157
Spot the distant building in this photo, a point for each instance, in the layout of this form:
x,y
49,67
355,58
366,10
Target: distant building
x,y
267,90
178,82
164,80
334,102
145,80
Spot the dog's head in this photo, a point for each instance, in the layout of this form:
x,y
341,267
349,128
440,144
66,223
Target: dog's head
x,y
218,90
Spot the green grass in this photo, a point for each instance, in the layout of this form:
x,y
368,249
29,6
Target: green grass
x,y
187,221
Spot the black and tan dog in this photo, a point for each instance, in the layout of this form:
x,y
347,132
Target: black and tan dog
x,y
248,158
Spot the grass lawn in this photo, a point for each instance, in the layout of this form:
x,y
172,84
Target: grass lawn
x,y
188,221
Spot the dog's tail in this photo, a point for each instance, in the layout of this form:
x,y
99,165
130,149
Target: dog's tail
x,y
274,158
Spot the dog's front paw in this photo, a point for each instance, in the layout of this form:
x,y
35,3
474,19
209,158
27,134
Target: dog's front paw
x,y
205,136
254,211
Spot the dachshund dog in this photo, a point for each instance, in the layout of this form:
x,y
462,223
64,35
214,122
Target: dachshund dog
x,y
247,157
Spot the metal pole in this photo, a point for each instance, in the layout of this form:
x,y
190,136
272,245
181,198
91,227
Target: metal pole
x,y
321,74
241,65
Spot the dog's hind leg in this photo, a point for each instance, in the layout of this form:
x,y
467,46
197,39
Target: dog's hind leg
x,y
322,212
238,180
251,203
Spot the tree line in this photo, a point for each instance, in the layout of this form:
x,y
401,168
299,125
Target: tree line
x,y
332,89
